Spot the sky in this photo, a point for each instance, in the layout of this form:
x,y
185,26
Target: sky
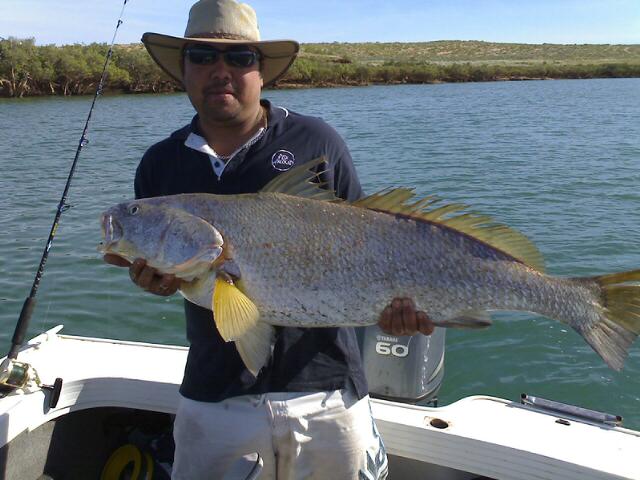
x,y
307,21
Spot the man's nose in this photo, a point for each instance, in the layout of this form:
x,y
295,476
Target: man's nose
x,y
219,69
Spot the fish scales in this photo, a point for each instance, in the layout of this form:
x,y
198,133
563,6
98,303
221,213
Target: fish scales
x,y
309,263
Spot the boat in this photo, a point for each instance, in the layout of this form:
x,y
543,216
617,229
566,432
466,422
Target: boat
x,y
81,408
75,407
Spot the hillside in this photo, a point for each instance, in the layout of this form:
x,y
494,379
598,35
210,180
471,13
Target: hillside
x,y
472,52
29,70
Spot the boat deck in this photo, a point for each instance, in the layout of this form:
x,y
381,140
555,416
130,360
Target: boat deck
x,y
476,437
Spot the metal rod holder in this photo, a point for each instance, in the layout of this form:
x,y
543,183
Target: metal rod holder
x,y
570,410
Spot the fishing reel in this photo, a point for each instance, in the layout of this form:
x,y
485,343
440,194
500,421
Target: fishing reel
x,y
15,375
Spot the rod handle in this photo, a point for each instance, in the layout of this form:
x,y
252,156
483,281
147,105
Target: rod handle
x,y
21,326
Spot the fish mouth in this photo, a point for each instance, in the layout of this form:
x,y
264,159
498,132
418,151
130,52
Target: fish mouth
x,y
111,233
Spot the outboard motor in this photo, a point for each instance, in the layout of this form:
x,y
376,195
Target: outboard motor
x,y
406,369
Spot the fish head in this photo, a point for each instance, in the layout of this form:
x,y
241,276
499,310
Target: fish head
x,y
170,239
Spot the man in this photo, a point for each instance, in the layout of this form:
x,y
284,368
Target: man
x,y
307,412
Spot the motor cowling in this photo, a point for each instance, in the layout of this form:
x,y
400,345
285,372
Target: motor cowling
x,y
407,369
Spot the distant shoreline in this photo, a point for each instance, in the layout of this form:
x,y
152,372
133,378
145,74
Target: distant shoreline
x,y
294,86
28,70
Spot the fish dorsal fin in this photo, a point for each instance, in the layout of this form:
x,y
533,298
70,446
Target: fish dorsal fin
x,y
303,181
480,227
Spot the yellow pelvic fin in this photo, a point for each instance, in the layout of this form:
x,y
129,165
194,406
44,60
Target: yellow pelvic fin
x,y
305,180
481,227
255,347
233,312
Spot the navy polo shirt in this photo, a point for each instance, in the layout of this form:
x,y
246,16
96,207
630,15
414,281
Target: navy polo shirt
x,y
303,360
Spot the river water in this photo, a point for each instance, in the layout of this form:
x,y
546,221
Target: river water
x,y
558,160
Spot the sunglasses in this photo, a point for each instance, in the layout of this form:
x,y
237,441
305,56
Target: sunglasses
x,y
205,55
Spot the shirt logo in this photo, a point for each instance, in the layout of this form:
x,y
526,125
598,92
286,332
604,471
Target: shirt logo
x,y
283,160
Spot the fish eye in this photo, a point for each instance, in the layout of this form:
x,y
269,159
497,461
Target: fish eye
x,y
133,209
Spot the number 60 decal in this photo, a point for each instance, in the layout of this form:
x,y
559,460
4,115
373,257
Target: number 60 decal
x,y
396,349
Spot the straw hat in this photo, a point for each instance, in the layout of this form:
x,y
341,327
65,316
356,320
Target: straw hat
x,y
223,23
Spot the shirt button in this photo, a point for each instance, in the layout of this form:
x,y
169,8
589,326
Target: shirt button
x,y
217,164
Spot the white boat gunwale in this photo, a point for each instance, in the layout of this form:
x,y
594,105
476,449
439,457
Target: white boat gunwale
x,y
478,438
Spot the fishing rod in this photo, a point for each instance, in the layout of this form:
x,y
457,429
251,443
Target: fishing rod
x,y
15,374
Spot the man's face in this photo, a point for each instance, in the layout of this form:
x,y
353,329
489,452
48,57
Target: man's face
x,y
220,92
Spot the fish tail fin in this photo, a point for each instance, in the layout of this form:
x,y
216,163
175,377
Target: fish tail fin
x,y
619,316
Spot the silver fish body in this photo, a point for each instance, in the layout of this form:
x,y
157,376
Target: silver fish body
x,y
318,264
306,262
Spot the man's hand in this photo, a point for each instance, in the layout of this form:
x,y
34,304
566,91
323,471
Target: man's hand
x,y
401,318
146,277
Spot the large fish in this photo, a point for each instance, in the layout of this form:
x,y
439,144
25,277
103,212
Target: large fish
x,y
294,255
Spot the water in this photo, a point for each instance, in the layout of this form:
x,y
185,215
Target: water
x,y
558,160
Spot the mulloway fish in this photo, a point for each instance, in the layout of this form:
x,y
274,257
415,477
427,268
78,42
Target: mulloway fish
x,y
294,255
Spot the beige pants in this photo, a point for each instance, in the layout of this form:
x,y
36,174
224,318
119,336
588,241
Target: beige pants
x,y
298,435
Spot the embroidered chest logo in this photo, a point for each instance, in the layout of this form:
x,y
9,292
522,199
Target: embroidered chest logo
x,y
283,160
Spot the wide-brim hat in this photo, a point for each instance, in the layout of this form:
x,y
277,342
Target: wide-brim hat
x,y
222,23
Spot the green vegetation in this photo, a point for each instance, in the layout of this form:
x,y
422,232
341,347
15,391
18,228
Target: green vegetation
x,y
27,69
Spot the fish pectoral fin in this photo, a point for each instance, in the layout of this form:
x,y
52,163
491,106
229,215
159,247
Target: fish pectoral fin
x,y
467,319
255,347
234,313
237,319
